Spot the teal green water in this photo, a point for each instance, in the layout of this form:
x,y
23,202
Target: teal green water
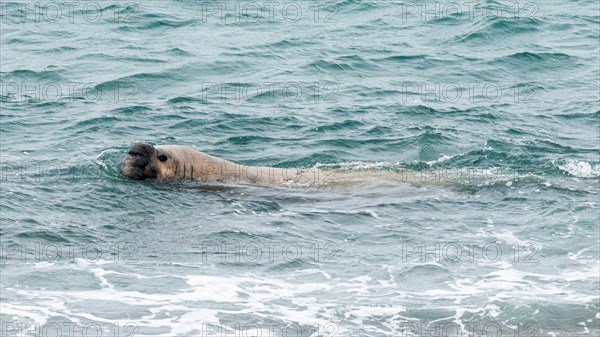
x,y
495,105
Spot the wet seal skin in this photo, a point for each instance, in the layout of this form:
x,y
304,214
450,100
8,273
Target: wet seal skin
x,y
176,162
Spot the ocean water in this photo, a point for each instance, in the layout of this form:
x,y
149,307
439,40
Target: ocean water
x,y
493,105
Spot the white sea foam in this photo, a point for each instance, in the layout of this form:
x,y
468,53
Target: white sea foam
x,y
290,298
580,169
441,159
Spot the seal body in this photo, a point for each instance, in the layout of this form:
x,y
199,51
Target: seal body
x,y
145,161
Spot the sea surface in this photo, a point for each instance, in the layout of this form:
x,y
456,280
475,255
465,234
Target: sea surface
x,y
493,105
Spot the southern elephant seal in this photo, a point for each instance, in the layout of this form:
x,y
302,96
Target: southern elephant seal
x,y
145,161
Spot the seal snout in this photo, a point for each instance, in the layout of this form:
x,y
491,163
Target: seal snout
x,y
142,150
139,163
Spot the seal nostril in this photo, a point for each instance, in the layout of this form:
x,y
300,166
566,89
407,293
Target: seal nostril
x,y
135,153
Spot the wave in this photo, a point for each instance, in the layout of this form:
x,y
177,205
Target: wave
x,y
401,58
323,65
536,60
357,6
32,76
288,43
185,99
500,28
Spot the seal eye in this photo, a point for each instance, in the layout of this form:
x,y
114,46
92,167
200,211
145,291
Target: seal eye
x,y
162,157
